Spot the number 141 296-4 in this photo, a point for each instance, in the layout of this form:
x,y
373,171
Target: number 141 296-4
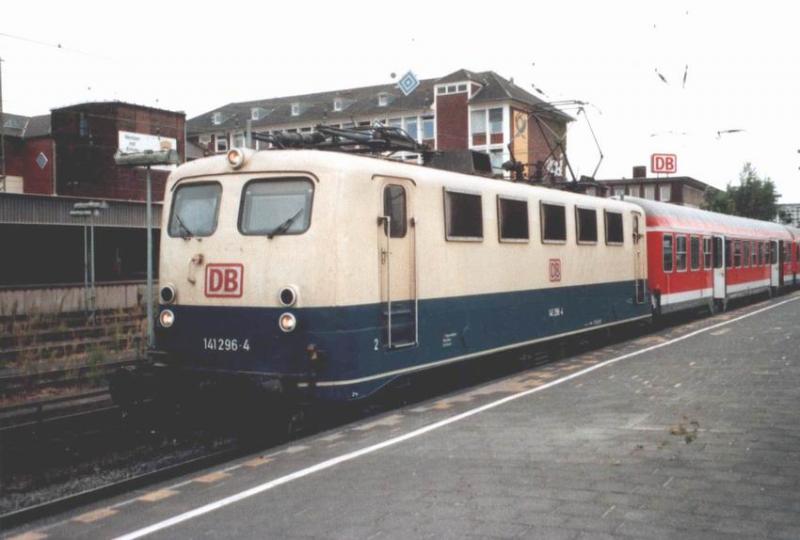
x,y
226,344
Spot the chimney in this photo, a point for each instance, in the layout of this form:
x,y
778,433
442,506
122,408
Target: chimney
x,y
640,171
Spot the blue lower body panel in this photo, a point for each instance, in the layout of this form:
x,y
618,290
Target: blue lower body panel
x,y
351,341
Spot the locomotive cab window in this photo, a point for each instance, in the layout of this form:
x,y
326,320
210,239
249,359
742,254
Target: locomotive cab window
x,y
512,216
614,232
276,206
554,223
586,222
463,214
194,210
394,206
666,244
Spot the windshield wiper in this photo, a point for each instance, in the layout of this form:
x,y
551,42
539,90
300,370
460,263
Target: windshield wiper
x,y
283,227
183,226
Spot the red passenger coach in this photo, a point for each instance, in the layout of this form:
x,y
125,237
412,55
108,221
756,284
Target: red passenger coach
x,y
698,258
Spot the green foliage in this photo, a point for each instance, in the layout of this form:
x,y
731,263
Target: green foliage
x,y
755,197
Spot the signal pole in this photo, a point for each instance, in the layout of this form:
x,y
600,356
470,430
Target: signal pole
x,y
2,135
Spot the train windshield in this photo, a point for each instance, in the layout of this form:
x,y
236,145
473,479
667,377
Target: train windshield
x,y
194,210
271,207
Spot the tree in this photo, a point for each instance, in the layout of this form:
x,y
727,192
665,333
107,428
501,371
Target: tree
x,y
754,197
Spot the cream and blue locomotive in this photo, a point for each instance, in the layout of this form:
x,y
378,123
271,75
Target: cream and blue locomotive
x,y
329,275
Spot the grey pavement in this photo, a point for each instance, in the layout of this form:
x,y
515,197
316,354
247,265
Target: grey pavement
x,y
696,439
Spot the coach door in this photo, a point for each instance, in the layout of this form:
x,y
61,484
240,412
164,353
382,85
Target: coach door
x,y
719,268
775,263
397,252
638,258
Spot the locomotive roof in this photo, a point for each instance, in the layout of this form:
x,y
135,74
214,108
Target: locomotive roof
x,y
673,216
311,160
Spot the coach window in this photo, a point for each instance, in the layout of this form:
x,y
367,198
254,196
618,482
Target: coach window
x,y
694,246
614,233
753,254
773,253
512,219
728,254
666,244
276,206
394,206
586,222
194,210
554,223
707,254
760,246
463,216
737,253
745,253
680,253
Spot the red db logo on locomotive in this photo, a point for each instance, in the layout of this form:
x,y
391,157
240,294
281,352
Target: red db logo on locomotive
x,y
224,280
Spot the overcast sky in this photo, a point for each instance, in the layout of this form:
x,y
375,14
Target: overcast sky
x,y
743,63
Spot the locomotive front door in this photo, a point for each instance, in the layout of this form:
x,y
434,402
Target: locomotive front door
x,y
397,239
638,258
719,269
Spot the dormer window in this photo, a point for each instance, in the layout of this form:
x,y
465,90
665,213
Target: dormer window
x,y
216,118
255,113
337,104
383,100
295,109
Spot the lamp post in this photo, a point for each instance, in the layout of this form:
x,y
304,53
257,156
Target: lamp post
x,y
147,159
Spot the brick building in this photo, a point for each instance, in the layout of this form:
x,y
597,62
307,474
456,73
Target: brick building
x,y
462,110
53,161
682,190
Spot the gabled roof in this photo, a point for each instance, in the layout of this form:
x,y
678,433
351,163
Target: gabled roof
x,y
15,125
362,102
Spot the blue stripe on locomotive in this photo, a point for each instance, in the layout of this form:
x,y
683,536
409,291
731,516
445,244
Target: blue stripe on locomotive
x,y
448,328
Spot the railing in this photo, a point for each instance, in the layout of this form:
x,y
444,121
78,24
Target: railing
x,y
68,297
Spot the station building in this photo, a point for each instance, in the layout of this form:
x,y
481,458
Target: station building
x,y
459,111
52,162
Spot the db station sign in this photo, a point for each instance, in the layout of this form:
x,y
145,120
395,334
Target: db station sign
x,y
664,163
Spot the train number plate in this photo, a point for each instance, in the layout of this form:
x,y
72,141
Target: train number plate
x,y
226,344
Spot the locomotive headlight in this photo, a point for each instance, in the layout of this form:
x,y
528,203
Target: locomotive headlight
x,y
288,296
167,294
166,318
287,322
235,157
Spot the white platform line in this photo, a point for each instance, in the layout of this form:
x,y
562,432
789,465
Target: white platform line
x,y
227,501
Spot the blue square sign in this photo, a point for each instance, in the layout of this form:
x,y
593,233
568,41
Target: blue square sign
x,y
408,83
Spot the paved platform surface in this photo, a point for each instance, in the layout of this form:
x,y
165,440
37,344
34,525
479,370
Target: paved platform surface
x,y
692,432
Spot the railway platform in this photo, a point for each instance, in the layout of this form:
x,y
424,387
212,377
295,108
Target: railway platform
x,y
688,432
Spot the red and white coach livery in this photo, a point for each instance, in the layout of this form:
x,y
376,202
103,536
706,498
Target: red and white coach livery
x,y
704,258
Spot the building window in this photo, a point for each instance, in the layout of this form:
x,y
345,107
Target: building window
x,y
411,123
694,252
665,192
295,109
619,191
216,118
395,122
463,216
496,120
255,113
478,127
83,125
586,222
394,206
221,142
427,128
666,246
383,100
337,104
650,192
238,140
614,231
554,223
680,253
512,216
461,88
496,157
707,252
